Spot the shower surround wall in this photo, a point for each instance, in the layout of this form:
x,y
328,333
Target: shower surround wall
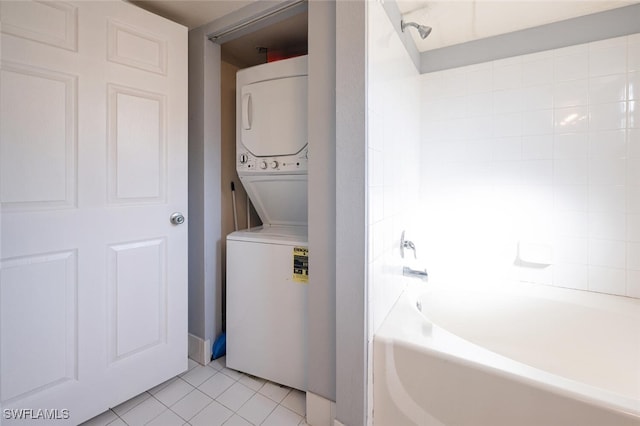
x,y
540,152
393,168
392,161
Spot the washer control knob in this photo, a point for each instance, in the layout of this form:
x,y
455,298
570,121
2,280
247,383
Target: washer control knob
x,y
274,164
263,165
243,158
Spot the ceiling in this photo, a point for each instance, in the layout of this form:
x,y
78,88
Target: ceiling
x,y
458,21
453,21
191,13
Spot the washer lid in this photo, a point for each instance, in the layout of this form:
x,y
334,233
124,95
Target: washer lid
x,y
279,199
280,235
273,118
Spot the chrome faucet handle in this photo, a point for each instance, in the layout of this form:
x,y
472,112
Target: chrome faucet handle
x,y
406,244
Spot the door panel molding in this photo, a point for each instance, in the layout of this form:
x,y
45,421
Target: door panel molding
x,y
137,146
137,283
136,48
47,22
38,323
38,140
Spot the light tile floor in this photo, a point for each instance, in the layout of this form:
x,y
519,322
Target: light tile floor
x,y
210,395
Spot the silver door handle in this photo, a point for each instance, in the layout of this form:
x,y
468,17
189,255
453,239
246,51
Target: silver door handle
x,y
177,218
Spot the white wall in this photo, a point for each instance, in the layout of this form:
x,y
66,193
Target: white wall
x,y
321,320
541,150
204,188
351,220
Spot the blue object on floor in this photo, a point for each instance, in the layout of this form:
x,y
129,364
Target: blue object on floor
x,y
219,348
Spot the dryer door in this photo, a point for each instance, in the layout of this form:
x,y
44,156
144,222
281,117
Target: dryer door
x,y
278,199
273,118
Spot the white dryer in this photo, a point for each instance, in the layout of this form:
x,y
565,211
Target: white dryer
x,y
271,139
267,267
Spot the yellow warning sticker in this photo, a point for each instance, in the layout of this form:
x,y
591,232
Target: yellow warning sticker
x,y
301,264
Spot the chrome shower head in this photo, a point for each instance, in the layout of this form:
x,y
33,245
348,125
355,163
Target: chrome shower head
x,y
423,30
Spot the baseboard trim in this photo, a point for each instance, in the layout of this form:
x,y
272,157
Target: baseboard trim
x,y
199,350
320,411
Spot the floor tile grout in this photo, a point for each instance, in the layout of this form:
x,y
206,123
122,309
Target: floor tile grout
x,y
235,376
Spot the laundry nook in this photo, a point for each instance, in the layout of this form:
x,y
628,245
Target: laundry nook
x,y
267,266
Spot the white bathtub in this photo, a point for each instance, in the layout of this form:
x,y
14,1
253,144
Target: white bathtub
x,y
516,356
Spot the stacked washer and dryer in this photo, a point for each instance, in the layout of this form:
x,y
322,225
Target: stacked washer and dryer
x,y
267,268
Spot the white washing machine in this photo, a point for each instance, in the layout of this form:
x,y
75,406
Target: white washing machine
x,y
267,268
267,273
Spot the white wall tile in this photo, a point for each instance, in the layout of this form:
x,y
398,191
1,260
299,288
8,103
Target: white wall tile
x,y
538,97
570,146
634,54
570,172
506,101
571,93
480,80
538,122
571,198
633,227
634,114
505,125
633,143
507,76
376,204
609,253
607,198
608,116
633,284
537,147
606,171
571,250
479,126
607,280
376,136
608,60
571,275
376,170
608,144
571,224
571,67
633,85
406,104
506,149
479,104
572,119
610,88
537,73
537,173
607,226
633,171
542,145
633,197
633,256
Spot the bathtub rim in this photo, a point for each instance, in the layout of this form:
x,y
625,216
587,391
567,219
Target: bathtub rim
x,y
405,325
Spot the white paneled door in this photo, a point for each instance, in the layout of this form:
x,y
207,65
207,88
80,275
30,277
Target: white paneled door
x,y
93,163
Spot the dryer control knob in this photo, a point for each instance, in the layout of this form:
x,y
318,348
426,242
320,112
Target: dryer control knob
x,y
274,164
243,158
263,165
